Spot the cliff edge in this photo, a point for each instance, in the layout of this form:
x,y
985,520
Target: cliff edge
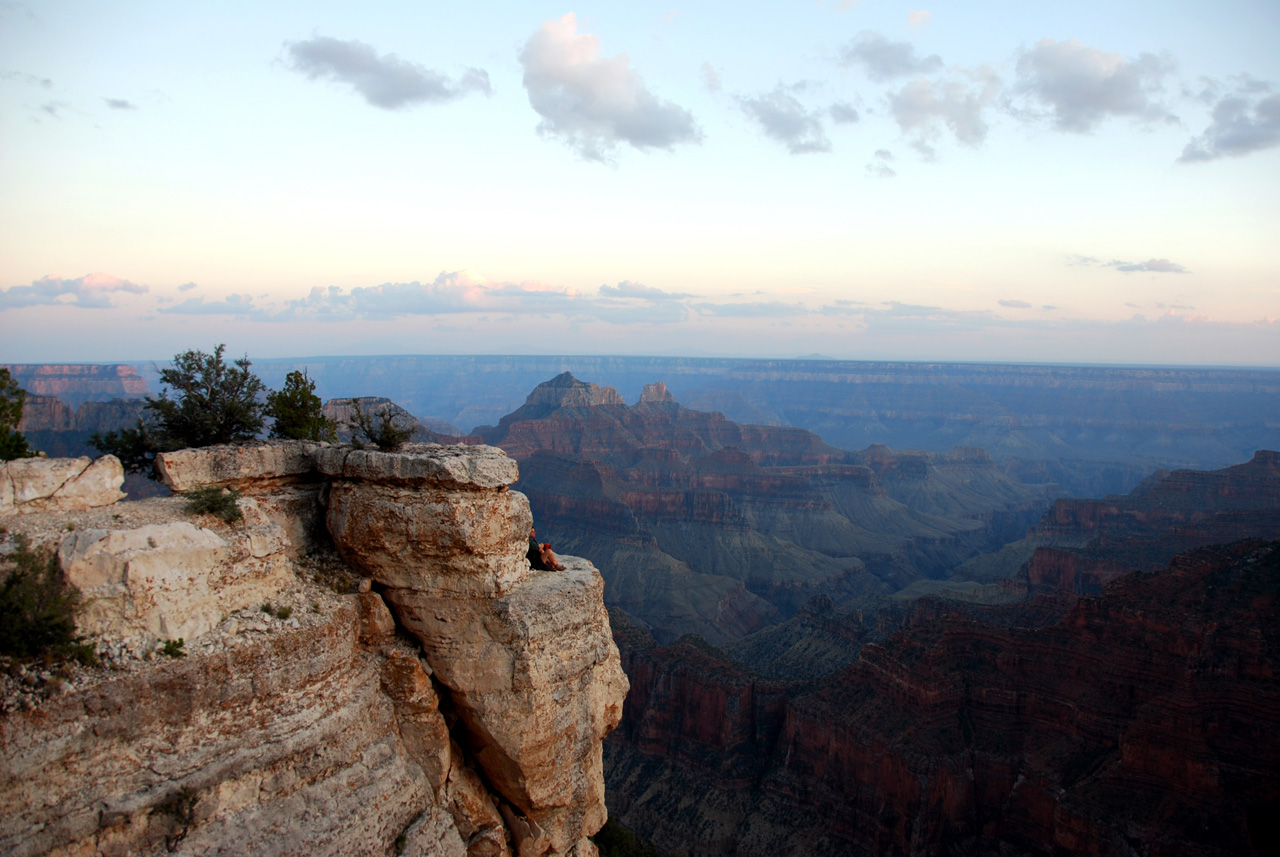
x,y
364,664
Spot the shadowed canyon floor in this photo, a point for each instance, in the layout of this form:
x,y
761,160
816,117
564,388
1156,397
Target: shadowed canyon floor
x,y
1142,717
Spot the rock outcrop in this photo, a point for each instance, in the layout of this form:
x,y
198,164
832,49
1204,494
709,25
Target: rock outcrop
x,y
454,705
535,683
59,484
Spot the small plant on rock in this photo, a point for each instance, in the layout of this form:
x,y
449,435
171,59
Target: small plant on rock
x,y
217,502
173,648
181,808
378,428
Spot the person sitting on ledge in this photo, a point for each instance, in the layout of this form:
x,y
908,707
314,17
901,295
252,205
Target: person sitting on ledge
x,y
541,557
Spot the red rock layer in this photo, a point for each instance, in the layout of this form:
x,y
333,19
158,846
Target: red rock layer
x,y
1168,514
78,383
1147,721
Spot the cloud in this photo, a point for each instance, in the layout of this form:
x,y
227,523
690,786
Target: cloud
x,y
922,18
92,291
897,309
1245,120
786,120
593,103
119,104
461,292
843,307
843,114
1155,266
710,77
1081,85
923,106
628,289
29,79
883,60
237,305
54,108
760,309
1012,304
384,81
879,167
186,287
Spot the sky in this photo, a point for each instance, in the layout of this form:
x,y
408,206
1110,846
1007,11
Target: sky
x,y
942,181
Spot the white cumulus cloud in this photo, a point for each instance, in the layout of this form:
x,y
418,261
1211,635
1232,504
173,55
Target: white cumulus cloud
x,y
593,102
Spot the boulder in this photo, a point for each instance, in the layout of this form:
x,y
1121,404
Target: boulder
x,y
421,464
170,581
59,484
246,467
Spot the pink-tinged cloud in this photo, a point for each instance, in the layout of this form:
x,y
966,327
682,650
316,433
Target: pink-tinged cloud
x,y
1154,266
92,291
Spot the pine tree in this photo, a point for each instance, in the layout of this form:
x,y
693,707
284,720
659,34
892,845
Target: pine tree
x,y
296,411
13,443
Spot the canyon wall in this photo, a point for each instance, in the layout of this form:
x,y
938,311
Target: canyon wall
x,y
1145,721
712,527
364,664
77,383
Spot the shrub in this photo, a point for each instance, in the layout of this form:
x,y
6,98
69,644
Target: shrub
x,y
38,607
173,648
211,403
214,402
615,840
217,502
136,447
296,410
13,443
378,428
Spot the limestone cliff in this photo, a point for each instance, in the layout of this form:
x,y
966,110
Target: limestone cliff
x,y
418,691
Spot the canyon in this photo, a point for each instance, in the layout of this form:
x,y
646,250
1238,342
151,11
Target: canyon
x,y
707,526
1144,720
365,663
1130,705
885,651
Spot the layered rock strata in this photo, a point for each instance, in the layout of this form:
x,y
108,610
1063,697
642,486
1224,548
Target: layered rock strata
x,y
1081,545
291,720
1144,721
535,682
717,528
